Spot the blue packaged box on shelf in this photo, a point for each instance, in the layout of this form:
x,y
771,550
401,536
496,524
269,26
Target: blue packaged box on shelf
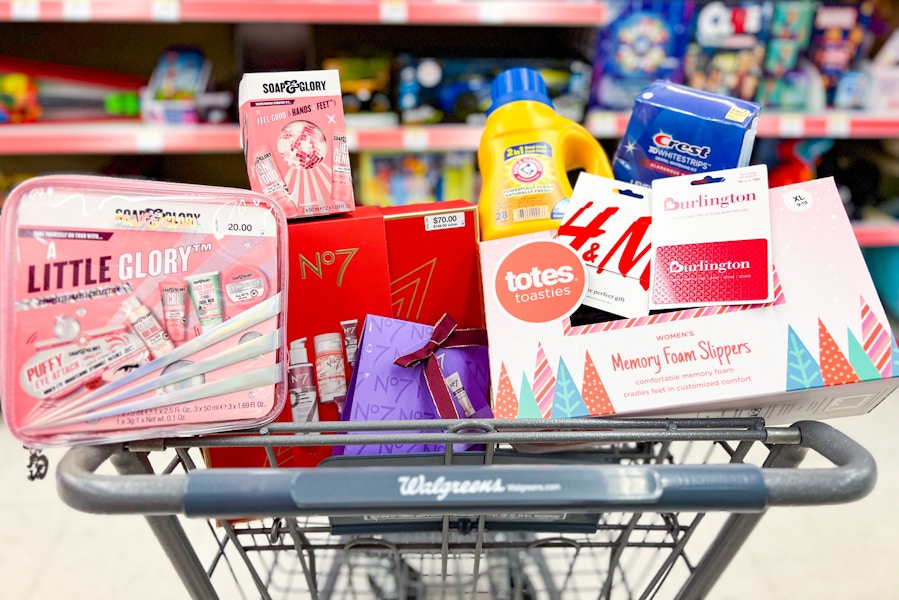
x,y
676,130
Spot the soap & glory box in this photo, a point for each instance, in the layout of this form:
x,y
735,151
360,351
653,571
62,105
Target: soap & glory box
x,y
821,348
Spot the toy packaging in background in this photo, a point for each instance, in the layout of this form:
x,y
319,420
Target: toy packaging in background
x,y
178,90
366,85
791,358
413,178
295,142
140,310
841,37
727,53
786,85
675,130
644,41
457,90
40,91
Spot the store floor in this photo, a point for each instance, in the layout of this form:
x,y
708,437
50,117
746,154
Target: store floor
x,y
50,551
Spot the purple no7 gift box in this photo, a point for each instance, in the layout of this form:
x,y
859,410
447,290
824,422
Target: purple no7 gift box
x,y
381,390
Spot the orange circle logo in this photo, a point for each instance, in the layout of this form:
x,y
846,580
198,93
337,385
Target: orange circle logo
x,y
541,281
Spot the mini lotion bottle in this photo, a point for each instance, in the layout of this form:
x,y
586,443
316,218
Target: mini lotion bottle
x,y
147,327
330,368
301,382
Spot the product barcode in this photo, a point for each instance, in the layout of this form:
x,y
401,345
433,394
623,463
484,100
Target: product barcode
x,y
530,213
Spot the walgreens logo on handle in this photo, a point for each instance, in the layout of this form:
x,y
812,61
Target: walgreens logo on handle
x,y
664,140
540,281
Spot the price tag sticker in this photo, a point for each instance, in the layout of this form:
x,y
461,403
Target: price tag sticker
x,y
394,11
444,221
491,13
150,141
415,139
839,126
25,10
165,10
76,10
791,126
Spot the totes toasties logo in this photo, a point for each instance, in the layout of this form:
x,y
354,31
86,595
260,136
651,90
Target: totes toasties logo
x,y
540,281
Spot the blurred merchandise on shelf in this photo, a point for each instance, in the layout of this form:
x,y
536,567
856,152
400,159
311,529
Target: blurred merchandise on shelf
x,y
294,141
675,130
177,92
791,161
644,41
38,91
365,83
884,72
10,180
841,37
727,52
525,155
412,178
457,90
786,84
857,175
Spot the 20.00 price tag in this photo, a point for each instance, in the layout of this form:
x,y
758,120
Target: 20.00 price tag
x,y
444,221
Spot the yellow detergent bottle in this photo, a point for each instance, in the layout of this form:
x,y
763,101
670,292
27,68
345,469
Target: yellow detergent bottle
x,y
525,155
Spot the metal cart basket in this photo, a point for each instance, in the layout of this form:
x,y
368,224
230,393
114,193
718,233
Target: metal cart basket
x,y
622,508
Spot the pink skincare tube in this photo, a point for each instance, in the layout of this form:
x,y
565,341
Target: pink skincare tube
x,y
174,308
270,181
341,175
145,325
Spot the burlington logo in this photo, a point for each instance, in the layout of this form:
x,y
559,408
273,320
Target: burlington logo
x,y
704,265
704,201
443,487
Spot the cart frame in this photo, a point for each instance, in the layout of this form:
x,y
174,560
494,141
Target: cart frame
x,y
602,480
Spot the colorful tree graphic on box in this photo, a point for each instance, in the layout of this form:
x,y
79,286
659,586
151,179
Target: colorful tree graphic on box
x,y
835,368
506,404
594,392
802,369
544,383
527,404
876,341
860,360
567,400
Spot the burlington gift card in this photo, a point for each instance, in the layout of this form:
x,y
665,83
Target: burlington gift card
x,y
712,239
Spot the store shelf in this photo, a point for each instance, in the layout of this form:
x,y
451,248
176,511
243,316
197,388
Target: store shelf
x,y
832,124
876,234
437,12
130,137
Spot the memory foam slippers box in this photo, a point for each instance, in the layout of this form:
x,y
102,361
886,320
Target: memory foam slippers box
x,y
821,348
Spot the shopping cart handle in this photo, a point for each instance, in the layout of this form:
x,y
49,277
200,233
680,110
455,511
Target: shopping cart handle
x,y
226,493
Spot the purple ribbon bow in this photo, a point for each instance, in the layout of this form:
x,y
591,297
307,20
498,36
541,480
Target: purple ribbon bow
x,y
445,335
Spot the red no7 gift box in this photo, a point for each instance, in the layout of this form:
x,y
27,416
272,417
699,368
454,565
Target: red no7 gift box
x,y
822,347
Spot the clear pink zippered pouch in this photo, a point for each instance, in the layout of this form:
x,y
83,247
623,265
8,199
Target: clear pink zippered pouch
x,y
137,309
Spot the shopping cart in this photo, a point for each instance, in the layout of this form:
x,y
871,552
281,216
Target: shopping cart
x,y
631,508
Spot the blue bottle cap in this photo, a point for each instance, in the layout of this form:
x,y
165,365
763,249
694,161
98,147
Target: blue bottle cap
x,y
520,83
